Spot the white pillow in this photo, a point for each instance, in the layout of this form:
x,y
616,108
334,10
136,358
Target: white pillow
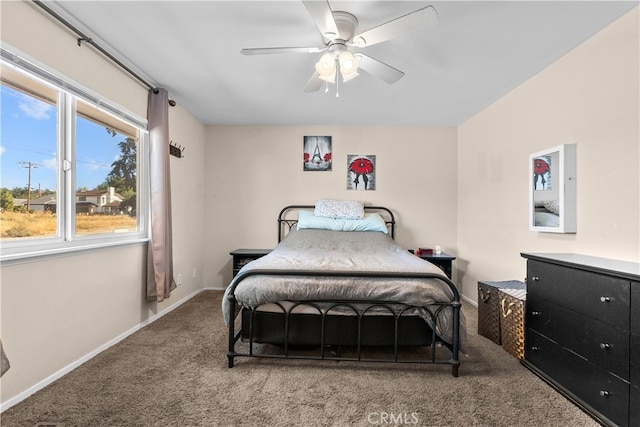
x,y
552,206
341,209
370,222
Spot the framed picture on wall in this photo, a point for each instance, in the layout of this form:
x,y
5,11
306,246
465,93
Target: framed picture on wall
x,y
542,173
361,172
552,190
317,153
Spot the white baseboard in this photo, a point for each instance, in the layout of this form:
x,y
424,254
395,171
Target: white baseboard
x,y
70,367
215,288
470,301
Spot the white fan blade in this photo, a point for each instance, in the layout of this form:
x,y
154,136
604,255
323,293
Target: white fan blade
x,y
424,18
320,12
270,50
314,84
379,69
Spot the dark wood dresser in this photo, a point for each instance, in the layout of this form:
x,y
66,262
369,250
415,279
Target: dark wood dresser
x,y
582,332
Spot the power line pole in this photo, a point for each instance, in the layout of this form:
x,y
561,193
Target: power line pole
x,y
30,165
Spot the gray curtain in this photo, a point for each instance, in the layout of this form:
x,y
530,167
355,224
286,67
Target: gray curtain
x,y
160,281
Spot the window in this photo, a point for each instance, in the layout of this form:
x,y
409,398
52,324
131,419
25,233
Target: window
x,y
72,166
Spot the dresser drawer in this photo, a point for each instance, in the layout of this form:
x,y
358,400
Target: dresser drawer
x,y
635,307
602,393
596,295
634,404
634,368
598,342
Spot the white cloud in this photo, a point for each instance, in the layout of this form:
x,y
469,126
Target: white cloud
x,y
91,164
34,108
50,163
2,149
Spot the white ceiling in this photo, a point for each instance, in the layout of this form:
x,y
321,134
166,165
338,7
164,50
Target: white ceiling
x,y
478,52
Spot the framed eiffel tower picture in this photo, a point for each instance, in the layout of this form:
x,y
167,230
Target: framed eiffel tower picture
x,y
317,153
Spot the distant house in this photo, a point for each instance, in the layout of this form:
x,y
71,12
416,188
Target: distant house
x,y
87,202
41,204
98,201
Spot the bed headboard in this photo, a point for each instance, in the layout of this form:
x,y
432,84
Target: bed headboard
x,y
287,218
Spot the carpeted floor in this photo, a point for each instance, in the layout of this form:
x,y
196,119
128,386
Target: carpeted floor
x,y
174,373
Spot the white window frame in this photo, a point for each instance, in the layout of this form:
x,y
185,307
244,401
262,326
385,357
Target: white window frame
x,y
66,241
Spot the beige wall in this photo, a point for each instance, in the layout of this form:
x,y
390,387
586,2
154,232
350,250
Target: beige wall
x,y
252,172
589,97
55,312
463,188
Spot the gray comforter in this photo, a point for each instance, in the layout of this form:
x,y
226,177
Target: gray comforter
x,y
311,249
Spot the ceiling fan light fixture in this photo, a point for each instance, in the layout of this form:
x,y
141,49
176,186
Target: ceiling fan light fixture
x,y
348,63
347,77
331,78
326,65
339,32
326,68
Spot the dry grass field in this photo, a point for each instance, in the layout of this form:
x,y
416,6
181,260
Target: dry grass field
x,y
39,224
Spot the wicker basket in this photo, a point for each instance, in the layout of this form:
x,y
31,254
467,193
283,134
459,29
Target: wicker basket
x,y
488,312
489,307
512,320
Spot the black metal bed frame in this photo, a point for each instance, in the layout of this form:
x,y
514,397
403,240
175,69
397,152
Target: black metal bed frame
x,y
361,310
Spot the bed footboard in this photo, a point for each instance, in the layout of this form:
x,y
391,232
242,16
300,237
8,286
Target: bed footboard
x,y
362,317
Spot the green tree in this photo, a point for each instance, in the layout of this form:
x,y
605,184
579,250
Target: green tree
x,y
19,192
123,174
123,171
6,199
22,192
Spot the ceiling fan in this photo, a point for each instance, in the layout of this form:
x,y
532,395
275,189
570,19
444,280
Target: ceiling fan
x,y
339,32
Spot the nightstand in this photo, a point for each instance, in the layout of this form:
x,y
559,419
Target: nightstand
x,y
444,261
241,257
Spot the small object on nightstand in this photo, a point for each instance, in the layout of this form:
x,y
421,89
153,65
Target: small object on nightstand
x,y
438,250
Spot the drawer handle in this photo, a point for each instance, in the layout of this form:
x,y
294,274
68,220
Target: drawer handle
x,y
605,346
604,393
535,348
605,299
536,313
535,278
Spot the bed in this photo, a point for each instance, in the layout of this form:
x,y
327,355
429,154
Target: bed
x,y
343,289
546,213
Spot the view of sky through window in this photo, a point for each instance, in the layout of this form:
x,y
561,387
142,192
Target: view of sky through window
x,y
100,148
29,128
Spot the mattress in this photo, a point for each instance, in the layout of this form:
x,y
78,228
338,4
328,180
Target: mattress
x,y
341,251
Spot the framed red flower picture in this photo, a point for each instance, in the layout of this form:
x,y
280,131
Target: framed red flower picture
x,y
361,172
542,173
317,153
552,190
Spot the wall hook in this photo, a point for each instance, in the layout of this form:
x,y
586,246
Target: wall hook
x,y
176,150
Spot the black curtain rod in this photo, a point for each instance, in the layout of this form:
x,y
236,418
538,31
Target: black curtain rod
x,y
86,39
